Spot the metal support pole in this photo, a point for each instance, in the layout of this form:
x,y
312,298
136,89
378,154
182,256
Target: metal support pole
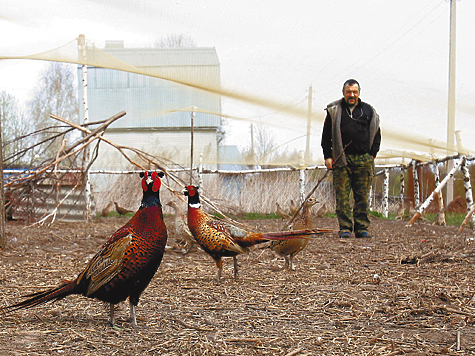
x,y
192,144
200,172
309,125
451,101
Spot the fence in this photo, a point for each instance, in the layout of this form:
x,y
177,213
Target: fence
x,y
250,191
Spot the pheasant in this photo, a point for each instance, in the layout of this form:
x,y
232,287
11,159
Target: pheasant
x,y
124,265
120,210
221,239
106,211
289,248
280,212
181,227
293,208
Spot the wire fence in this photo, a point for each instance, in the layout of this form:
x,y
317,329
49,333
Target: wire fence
x,y
233,193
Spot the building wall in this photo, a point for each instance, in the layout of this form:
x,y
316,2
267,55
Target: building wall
x,y
171,146
154,122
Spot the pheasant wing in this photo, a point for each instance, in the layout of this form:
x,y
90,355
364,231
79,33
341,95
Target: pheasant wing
x,y
107,263
227,240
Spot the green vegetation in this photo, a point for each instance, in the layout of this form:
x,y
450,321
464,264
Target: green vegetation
x,y
452,219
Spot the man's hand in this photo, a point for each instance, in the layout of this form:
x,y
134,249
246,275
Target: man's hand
x,y
329,163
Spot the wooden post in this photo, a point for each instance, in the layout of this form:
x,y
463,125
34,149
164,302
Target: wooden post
x,y
370,204
386,193
468,189
436,191
3,238
401,209
302,177
440,218
86,157
417,197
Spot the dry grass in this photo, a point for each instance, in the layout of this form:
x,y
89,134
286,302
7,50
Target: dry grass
x,y
422,303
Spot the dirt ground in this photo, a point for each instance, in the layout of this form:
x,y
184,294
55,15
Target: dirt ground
x,y
407,291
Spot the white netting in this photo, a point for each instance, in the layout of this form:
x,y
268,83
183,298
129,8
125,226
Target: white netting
x,y
400,60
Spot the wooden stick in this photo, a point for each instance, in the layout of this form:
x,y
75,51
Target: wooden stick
x,y
436,191
467,218
315,188
293,353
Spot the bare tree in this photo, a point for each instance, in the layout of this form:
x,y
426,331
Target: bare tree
x,y
173,41
262,149
55,94
15,127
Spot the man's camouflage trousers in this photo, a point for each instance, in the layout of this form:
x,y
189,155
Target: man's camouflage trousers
x,y
356,176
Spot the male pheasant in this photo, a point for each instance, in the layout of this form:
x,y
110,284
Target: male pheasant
x,y
289,248
221,239
125,264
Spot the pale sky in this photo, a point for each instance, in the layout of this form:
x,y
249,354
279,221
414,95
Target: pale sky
x,y
397,50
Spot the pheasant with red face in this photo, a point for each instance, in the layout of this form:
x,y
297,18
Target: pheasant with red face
x,y
221,239
125,264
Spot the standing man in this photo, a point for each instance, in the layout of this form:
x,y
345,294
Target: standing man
x,y
351,122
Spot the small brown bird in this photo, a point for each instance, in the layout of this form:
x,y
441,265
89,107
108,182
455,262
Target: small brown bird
x,y
293,207
120,210
181,228
221,239
280,212
322,211
400,212
106,211
289,248
124,265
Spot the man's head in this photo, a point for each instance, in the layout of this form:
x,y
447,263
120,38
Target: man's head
x,y
351,92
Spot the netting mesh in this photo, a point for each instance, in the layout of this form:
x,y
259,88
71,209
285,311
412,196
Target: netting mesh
x,y
397,144
236,194
263,83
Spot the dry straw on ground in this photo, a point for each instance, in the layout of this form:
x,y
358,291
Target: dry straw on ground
x,y
408,291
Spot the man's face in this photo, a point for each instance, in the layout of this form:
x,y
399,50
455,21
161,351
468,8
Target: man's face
x,y
351,93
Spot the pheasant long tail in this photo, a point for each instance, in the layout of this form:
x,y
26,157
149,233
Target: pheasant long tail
x,y
42,297
294,234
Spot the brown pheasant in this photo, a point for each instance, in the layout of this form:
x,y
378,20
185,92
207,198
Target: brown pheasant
x,y
106,211
289,248
120,210
125,264
221,239
181,228
280,212
293,207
